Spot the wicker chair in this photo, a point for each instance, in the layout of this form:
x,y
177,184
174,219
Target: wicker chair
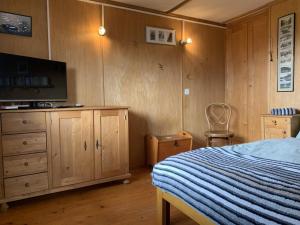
x,y
218,118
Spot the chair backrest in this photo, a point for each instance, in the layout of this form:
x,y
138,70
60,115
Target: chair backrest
x,y
218,116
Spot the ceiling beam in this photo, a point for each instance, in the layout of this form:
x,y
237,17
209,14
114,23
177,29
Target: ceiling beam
x,y
178,6
153,11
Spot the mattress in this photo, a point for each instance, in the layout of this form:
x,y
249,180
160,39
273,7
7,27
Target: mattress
x,y
233,188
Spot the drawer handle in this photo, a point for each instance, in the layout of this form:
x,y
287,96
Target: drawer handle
x,y
26,164
24,121
176,143
27,185
275,122
25,143
284,132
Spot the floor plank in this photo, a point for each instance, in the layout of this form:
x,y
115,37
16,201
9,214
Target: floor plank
x,y
108,204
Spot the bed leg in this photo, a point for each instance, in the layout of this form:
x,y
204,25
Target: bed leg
x,y
163,210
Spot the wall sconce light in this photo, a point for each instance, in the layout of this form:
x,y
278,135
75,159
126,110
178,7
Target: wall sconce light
x,y
102,30
184,41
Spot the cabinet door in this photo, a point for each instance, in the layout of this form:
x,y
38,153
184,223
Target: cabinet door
x,y
237,79
72,147
111,143
258,55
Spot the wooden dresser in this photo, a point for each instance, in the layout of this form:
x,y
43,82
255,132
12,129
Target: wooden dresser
x,y
51,150
279,126
161,147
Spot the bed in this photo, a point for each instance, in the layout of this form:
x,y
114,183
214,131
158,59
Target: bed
x,y
255,183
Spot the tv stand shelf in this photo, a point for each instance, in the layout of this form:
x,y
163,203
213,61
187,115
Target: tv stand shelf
x,y
33,140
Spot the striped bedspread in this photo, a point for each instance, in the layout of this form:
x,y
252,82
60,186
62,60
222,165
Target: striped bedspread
x,y
232,188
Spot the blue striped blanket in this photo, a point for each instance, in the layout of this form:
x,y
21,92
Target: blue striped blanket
x,y
233,188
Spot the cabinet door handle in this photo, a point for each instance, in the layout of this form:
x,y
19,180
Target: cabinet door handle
x,y
97,144
85,146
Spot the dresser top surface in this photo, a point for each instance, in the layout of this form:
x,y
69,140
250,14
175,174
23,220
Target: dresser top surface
x,y
64,109
283,116
171,138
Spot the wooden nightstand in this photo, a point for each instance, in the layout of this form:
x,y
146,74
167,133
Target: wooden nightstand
x,y
280,126
161,147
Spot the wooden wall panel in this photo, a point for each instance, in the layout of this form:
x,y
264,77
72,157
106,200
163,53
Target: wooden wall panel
x,y
75,40
203,74
121,69
35,46
145,77
284,99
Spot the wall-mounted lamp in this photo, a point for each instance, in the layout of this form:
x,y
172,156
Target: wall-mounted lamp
x,y
102,30
184,41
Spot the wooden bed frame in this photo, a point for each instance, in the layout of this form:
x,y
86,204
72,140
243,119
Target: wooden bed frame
x,y
163,209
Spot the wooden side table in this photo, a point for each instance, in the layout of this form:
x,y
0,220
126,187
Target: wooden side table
x,y
161,147
279,126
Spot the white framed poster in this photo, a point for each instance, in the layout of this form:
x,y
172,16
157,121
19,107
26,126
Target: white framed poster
x,y
162,36
286,53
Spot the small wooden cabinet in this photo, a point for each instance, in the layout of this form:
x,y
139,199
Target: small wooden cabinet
x,y
161,147
279,126
51,150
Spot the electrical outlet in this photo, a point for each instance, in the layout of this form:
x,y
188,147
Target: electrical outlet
x,y
186,91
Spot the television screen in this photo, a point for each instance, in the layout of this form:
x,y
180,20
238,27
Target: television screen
x,y
31,79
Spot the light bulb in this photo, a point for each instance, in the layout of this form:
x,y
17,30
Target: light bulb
x,y
186,42
102,30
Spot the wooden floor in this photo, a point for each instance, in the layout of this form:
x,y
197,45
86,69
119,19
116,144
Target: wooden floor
x,y
109,204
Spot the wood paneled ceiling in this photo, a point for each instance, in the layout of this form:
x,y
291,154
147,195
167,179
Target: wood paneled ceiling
x,y
212,10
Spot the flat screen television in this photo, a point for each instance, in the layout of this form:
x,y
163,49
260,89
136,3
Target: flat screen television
x,y
26,79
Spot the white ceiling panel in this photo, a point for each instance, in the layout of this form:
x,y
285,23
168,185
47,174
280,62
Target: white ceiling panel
x,y
161,5
219,10
213,10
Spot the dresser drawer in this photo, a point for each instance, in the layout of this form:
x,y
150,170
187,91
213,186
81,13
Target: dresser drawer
x,y
271,133
15,144
282,123
168,148
25,164
25,184
23,122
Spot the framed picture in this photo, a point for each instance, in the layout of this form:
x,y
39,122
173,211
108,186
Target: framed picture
x,y
160,36
286,53
15,24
